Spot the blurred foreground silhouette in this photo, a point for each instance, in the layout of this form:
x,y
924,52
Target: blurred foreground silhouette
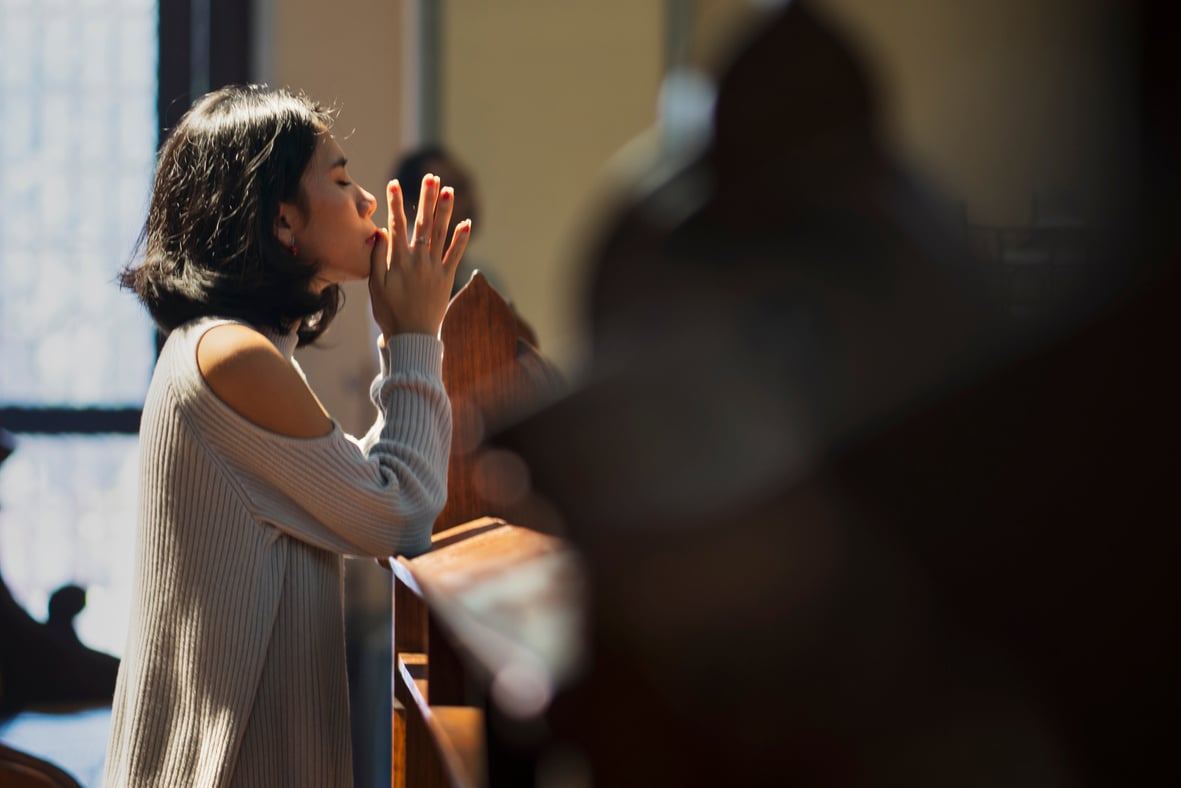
x,y
845,522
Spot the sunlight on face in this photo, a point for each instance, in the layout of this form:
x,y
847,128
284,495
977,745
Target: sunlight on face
x,y
334,229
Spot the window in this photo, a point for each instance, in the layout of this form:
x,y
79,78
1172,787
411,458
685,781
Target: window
x,y
78,134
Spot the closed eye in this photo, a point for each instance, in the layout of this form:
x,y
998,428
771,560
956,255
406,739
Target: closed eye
x,y
340,164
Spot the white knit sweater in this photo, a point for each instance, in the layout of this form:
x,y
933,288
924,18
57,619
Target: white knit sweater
x,y
234,672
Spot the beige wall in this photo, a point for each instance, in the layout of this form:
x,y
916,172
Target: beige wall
x,y
537,96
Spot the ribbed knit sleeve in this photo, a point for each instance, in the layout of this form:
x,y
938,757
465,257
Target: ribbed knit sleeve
x,y
377,496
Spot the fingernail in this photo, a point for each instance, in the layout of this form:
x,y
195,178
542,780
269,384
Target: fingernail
x,y
447,193
393,186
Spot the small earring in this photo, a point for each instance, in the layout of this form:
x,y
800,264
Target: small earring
x,y
293,248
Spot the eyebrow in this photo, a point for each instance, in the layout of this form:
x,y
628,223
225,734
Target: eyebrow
x,y
341,162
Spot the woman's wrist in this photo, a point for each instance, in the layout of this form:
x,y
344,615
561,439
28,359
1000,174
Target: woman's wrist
x,y
388,335
420,353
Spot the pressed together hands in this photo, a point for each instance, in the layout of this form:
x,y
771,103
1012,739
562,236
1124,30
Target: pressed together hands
x,y
412,269
410,278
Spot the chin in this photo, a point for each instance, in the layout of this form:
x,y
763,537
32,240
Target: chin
x,y
342,275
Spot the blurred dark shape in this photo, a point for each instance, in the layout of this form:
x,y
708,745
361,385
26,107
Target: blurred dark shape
x,y
64,605
45,663
20,769
40,664
845,524
7,444
795,268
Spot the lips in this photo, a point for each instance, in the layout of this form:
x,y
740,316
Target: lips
x,y
371,240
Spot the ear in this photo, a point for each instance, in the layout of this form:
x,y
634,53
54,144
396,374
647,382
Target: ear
x,y
288,222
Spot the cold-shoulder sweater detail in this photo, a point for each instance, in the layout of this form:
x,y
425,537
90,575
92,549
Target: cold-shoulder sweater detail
x,y
234,671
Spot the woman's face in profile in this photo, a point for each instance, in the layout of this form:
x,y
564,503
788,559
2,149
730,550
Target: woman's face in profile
x,y
334,230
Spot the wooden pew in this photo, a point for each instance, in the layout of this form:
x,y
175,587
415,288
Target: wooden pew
x,y
486,630
19,769
494,374
485,624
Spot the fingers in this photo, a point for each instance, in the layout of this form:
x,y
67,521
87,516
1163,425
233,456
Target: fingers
x,y
442,219
379,257
397,214
459,239
424,222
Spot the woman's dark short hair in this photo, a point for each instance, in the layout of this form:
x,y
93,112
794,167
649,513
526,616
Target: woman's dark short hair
x,y
209,247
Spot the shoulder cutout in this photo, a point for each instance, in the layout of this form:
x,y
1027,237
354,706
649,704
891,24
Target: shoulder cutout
x,y
250,375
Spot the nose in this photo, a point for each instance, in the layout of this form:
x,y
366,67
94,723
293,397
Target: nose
x,y
368,203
